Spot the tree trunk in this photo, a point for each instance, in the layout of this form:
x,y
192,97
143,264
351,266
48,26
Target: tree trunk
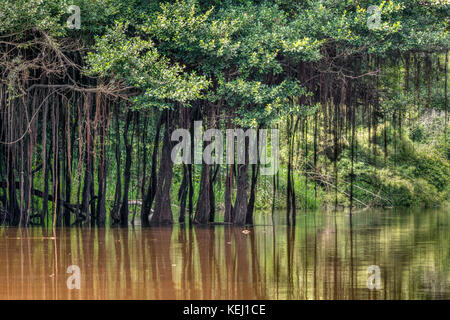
x,y
241,203
252,199
182,194
203,203
163,210
124,212
228,193
151,191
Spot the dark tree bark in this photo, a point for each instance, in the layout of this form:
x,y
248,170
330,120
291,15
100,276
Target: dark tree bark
x,y
124,212
203,203
67,164
202,212
352,157
151,191
290,198
101,174
163,210
212,198
182,194
241,203
254,182
44,164
228,193
86,197
114,214
252,199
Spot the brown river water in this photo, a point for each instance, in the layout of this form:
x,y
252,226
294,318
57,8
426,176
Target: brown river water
x,y
325,256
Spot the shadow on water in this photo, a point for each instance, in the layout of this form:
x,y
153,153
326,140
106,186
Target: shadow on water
x,y
325,256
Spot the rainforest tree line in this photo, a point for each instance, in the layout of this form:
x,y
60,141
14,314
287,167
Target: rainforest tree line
x,y
86,115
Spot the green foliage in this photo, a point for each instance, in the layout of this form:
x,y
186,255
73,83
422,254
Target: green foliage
x,y
21,16
139,63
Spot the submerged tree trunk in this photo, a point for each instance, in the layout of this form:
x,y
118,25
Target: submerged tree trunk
x,y
254,182
151,191
101,174
241,203
252,199
182,194
352,157
118,192
229,188
163,210
184,186
212,197
228,193
202,212
45,167
88,162
124,212
290,196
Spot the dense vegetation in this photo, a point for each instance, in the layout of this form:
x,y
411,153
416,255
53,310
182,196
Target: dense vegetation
x,y
87,114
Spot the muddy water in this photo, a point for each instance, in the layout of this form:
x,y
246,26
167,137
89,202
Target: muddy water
x,y
325,256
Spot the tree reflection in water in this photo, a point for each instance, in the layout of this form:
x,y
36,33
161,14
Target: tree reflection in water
x,y
325,256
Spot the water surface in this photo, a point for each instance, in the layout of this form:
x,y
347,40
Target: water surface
x,y
325,256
